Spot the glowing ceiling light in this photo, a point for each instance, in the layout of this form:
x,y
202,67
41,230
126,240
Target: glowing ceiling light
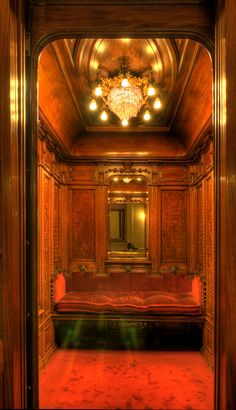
x,y
157,103
93,105
124,95
147,115
124,122
98,91
125,82
151,91
103,115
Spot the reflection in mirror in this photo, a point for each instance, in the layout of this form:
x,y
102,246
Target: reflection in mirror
x,y
128,230
128,219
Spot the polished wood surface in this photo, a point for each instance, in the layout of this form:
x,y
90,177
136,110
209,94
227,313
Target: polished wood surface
x,y
12,140
82,226
120,18
47,19
196,107
173,225
127,145
226,199
67,73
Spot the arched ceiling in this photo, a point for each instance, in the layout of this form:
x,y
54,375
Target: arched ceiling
x,y
181,68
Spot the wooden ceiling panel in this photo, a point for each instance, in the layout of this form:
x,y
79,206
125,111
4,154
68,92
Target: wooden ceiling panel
x,y
195,110
56,105
181,68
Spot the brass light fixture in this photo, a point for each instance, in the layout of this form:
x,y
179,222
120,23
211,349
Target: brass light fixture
x,y
125,95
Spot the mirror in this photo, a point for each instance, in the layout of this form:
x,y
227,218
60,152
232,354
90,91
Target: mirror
x,y
128,220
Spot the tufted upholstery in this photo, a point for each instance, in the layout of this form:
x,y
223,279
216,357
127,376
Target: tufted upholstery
x,y
129,293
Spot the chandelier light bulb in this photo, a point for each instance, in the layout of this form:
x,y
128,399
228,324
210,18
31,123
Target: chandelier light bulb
x,y
104,116
146,115
151,91
125,82
157,103
124,122
93,105
98,91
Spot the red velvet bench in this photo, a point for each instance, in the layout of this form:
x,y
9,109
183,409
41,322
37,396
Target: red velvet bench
x,y
128,293
132,298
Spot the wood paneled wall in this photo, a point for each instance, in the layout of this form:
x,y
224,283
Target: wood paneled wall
x,y
204,260
173,225
50,214
83,224
74,226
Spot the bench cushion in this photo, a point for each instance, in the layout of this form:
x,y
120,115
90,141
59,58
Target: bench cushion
x,y
148,302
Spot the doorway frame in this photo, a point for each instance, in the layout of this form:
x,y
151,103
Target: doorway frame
x,y
31,182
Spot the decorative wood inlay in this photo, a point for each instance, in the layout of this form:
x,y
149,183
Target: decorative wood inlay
x,y
199,229
173,226
83,224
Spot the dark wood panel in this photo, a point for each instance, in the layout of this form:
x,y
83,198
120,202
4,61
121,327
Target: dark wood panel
x,y
123,19
172,174
85,174
173,226
82,224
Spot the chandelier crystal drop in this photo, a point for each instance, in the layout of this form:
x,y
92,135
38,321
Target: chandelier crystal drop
x,y
125,102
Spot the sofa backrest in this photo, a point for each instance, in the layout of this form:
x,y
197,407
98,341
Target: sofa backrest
x,y
127,281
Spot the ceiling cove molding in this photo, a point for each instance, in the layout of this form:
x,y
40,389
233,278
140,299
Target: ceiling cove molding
x,y
160,33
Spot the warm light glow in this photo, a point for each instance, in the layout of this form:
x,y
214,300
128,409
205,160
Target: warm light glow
x,y
101,47
93,105
142,215
14,99
149,49
95,64
146,115
124,122
115,179
125,40
98,91
151,91
139,179
125,82
157,66
124,95
127,180
104,116
157,103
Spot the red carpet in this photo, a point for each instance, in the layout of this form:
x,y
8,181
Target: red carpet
x,y
95,379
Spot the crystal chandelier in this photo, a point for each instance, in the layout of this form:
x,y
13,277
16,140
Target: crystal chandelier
x,y
125,95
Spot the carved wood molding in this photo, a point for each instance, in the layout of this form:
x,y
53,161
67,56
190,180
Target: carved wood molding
x,y
52,141
204,162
